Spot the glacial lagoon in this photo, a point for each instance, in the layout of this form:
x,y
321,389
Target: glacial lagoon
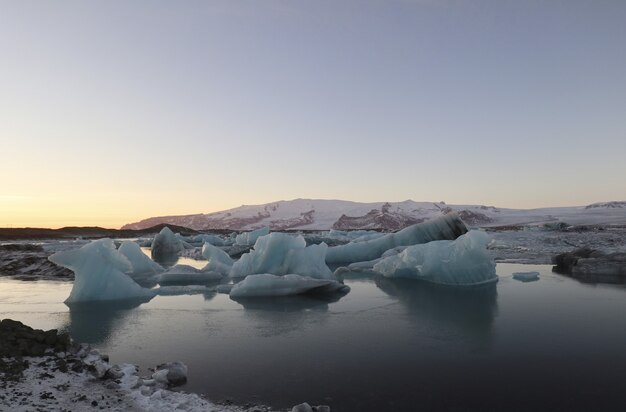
x,y
402,345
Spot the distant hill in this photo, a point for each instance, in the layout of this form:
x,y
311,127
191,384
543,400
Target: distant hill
x,y
318,214
86,232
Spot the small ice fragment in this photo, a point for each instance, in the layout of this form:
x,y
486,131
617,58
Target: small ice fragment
x,y
171,373
249,238
526,276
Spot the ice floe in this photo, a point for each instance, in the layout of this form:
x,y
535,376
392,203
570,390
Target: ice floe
x,y
265,285
463,261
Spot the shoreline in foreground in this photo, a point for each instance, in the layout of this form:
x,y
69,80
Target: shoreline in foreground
x,y
46,371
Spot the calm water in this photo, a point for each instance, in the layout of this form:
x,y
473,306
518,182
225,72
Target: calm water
x,y
553,344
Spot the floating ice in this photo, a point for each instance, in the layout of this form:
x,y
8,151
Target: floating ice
x,y
187,275
219,261
216,240
526,276
463,261
166,247
171,373
100,273
142,266
249,238
281,254
265,285
447,227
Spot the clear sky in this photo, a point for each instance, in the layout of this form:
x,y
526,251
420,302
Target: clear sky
x,y
113,111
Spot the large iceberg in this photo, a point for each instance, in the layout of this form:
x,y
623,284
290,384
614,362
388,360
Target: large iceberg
x,y
446,227
266,285
463,261
219,261
249,238
100,273
143,268
282,254
166,247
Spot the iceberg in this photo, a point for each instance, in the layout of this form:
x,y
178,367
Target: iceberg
x,y
282,254
219,261
249,238
100,273
142,266
460,262
166,247
187,275
267,285
526,276
216,240
447,227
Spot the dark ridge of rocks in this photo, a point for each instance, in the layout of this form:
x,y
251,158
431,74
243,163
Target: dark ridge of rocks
x,y
305,218
474,218
588,265
88,232
30,262
616,204
376,219
18,340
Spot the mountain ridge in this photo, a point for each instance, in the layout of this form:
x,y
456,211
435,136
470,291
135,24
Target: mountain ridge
x,y
325,214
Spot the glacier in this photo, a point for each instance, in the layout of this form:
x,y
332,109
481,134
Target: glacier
x,y
447,227
166,247
100,273
282,254
267,285
461,262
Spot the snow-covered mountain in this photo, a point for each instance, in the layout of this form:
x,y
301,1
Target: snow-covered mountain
x,y
318,214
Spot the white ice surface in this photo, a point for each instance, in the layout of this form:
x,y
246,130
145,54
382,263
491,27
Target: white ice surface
x,y
463,261
100,273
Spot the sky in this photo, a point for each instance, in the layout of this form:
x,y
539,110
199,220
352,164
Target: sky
x,y
114,111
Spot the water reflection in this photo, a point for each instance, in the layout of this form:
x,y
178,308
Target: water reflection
x,y
467,311
94,322
284,304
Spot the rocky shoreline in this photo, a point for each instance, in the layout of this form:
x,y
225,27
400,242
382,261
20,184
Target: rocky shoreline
x,y
46,371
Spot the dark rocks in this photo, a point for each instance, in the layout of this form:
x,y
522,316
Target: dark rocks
x,y
305,407
171,374
17,339
29,262
590,265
